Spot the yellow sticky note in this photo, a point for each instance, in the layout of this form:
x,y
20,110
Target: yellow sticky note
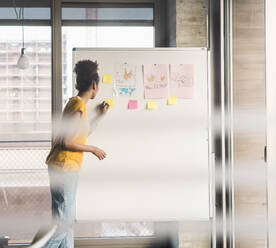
x,y
151,104
110,102
107,78
172,100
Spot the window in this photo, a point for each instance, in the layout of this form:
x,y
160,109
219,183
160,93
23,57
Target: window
x,y
99,37
25,115
103,25
25,122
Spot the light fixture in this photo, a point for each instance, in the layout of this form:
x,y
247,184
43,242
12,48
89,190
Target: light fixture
x,y
23,61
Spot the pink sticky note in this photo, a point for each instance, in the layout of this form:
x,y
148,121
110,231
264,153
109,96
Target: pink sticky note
x,y
132,104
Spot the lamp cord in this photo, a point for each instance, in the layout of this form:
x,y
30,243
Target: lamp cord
x,y
23,34
20,17
15,10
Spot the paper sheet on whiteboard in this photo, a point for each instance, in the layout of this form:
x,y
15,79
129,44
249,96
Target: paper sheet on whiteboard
x,y
182,80
156,80
126,79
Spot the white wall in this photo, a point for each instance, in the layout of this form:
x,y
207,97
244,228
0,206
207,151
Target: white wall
x,y
271,110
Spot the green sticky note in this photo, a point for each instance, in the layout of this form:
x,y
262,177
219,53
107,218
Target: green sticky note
x,y
107,78
151,104
172,100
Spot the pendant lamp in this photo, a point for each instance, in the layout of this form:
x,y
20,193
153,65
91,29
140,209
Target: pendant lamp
x,y
23,61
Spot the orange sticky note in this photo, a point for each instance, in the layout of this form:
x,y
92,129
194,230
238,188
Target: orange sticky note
x,y
107,78
172,100
151,104
110,102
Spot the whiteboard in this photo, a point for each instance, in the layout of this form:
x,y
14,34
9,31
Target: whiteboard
x,y
157,165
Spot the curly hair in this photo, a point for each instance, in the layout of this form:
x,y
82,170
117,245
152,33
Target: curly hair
x,y
87,74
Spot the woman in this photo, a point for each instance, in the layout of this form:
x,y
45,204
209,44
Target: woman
x,y
65,158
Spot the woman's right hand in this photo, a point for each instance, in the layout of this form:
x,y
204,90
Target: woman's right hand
x,y
103,107
100,154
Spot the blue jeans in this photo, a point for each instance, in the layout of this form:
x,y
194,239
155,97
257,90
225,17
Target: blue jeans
x,y
63,186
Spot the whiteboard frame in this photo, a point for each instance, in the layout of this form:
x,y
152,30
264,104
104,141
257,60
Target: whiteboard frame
x,y
211,160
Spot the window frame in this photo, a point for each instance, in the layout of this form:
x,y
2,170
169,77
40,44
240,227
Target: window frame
x,y
126,22
26,4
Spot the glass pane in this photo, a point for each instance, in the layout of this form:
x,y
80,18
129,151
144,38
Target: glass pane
x,y
29,13
22,91
107,14
99,37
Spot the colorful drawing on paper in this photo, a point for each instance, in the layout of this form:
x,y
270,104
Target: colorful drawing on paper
x,y
127,91
156,81
125,79
182,80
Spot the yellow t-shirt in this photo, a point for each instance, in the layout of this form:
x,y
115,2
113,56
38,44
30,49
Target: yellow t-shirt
x,y
59,157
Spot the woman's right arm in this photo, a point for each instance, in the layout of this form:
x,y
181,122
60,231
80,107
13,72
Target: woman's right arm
x,y
101,111
73,146
70,145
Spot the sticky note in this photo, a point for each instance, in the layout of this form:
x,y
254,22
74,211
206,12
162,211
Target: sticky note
x,y
132,104
110,102
151,104
107,78
172,100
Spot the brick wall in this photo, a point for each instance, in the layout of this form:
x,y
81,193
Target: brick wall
x,y
191,17
249,97
191,31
